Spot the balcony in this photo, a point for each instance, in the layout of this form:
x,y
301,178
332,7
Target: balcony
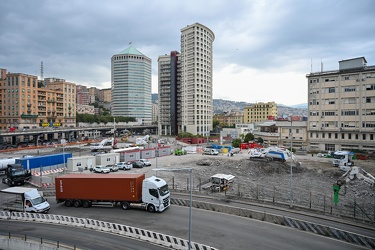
x,y
28,116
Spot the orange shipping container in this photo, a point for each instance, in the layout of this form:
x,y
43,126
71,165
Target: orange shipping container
x,y
100,187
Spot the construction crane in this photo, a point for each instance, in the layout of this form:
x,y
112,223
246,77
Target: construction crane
x,y
354,173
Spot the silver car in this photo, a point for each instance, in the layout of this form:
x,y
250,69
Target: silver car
x,y
124,165
112,167
101,169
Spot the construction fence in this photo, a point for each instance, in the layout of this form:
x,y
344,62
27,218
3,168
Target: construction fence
x,y
359,209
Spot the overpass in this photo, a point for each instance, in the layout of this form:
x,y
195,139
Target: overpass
x,y
37,135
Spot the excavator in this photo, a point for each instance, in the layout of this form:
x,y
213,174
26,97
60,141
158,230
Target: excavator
x,y
350,175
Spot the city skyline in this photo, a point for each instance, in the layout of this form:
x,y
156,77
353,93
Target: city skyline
x,y
263,50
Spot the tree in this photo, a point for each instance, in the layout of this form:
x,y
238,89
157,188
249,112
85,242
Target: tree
x,y
236,142
249,137
260,140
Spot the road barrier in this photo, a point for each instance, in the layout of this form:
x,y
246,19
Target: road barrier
x,y
133,232
327,231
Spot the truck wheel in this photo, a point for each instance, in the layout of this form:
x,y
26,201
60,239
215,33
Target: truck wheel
x,y
151,208
86,204
125,205
68,203
77,203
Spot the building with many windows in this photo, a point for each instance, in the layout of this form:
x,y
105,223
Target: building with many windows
x,y
259,112
229,118
131,85
83,95
196,79
24,105
342,107
169,89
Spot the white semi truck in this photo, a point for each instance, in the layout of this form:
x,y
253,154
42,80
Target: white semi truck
x,y
343,158
22,199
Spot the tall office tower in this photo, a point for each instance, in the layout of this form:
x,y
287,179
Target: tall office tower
x,y
169,89
131,85
196,77
342,107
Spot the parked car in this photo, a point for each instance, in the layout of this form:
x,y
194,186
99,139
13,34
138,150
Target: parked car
x,y
146,162
112,168
124,165
101,169
7,146
138,164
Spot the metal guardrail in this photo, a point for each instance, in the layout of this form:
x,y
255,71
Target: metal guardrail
x,y
327,231
17,241
132,232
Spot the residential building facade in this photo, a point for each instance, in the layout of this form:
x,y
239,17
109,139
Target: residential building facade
x,y
66,108
196,79
106,94
24,105
83,95
131,85
283,133
230,118
342,107
259,112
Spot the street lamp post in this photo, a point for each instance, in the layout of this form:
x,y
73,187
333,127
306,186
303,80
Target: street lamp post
x,y
291,162
190,170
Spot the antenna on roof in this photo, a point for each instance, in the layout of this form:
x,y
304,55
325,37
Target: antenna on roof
x,y
311,66
321,65
41,71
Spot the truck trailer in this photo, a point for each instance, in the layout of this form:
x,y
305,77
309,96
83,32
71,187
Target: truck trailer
x,y
23,199
126,190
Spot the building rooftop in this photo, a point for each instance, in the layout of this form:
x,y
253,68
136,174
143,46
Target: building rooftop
x,y
131,51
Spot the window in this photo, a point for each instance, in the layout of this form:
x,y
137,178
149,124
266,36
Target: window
x,y
331,90
154,192
349,136
342,136
364,137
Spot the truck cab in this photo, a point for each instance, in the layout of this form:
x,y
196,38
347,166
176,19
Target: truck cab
x,y
343,158
16,175
23,199
156,194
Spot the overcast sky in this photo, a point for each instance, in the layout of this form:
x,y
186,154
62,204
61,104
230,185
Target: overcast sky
x,y
262,51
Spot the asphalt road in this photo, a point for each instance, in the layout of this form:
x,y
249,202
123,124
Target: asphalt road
x,y
71,236
217,230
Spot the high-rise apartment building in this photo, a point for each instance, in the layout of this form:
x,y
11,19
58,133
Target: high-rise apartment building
x,y
196,79
342,107
169,89
131,85
260,112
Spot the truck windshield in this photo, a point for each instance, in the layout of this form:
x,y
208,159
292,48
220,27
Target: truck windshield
x,y
164,190
18,172
38,200
340,157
